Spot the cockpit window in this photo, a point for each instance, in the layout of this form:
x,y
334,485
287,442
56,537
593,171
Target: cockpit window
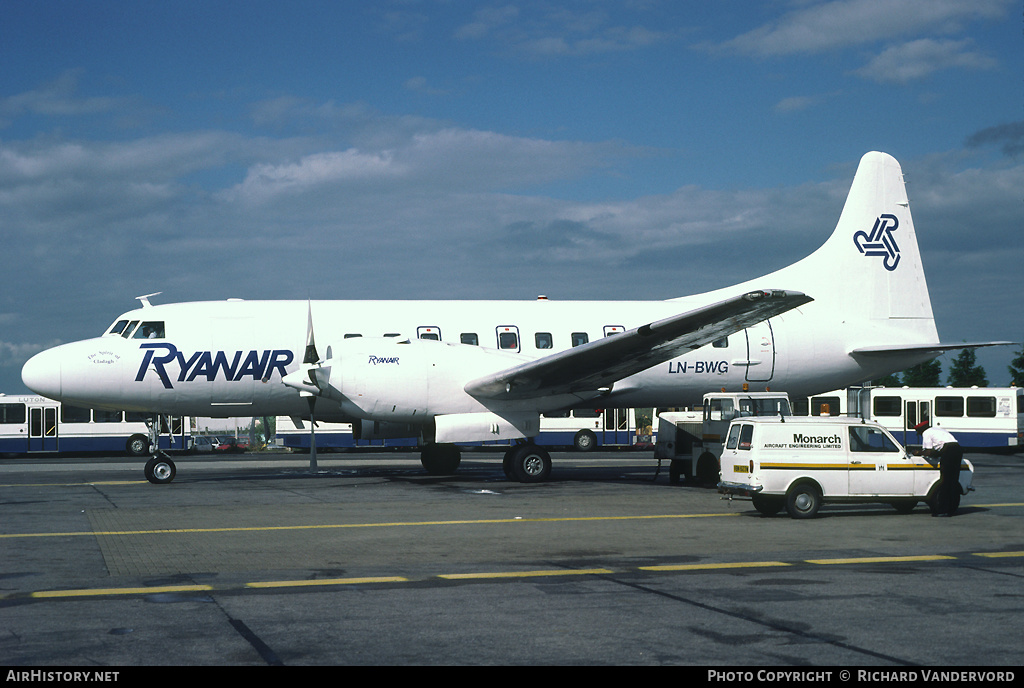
x,y
117,327
127,332
150,329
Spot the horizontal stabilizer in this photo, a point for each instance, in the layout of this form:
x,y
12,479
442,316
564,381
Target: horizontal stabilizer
x,y
596,365
925,348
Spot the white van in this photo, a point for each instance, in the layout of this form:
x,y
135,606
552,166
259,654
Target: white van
x,y
800,463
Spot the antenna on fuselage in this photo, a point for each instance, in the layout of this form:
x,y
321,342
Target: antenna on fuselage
x,y
145,299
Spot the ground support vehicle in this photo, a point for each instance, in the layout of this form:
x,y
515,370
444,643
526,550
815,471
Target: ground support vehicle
x,y
692,441
801,463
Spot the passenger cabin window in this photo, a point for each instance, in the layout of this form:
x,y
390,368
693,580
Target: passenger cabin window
x,y
433,333
580,338
609,330
508,338
352,335
543,340
150,330
470,338
868,439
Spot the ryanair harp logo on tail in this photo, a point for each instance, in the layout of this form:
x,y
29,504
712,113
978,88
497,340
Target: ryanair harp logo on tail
x,y
880,241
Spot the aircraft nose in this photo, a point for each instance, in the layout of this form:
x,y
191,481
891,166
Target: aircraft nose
x,y
42,374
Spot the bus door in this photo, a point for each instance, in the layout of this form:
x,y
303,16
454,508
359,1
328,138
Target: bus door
x,y
616,426
916,412
761,348
42,428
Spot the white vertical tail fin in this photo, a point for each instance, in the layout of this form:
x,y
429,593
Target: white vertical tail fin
x,y
868,277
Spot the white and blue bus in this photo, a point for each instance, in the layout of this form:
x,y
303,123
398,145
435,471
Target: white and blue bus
x,y
979,417
37,425
580,429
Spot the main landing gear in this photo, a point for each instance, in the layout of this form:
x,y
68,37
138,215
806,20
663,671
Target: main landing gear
x,y
525,463
159,469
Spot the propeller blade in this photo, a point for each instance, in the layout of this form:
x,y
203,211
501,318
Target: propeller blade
x,y
311,355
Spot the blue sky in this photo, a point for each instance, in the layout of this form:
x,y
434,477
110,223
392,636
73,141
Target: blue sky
x,y
443,148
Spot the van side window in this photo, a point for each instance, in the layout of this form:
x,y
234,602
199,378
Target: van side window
x,y
867,439
734,437
746,436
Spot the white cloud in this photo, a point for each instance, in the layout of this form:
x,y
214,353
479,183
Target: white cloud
x,y
918,59
838,24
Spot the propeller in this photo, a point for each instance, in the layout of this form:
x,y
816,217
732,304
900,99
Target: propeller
x,y
310,363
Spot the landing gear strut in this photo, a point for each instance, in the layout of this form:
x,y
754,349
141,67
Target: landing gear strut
x,y
159,469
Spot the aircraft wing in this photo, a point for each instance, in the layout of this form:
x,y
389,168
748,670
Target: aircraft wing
x,y
596,365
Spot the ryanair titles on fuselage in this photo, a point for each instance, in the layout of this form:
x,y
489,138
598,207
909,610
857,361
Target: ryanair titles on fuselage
x,y
258,365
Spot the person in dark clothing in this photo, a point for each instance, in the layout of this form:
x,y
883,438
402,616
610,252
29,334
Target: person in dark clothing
x,y
936,441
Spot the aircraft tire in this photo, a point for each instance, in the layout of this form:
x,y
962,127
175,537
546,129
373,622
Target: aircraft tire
x,y
529,463
440,459
160,470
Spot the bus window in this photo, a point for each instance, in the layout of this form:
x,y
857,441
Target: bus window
x,y
469,338
12,413
831,402
100,416
74,414
579,338
949,407
981,407
887,406
543,340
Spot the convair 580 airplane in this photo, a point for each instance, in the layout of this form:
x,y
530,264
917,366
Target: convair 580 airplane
x,y
461,371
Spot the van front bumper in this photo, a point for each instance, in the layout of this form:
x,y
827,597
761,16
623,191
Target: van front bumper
x,y
741,489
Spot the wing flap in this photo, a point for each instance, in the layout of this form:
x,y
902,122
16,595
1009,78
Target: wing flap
x,y
600,363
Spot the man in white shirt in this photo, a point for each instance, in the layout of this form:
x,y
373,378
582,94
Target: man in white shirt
x,y
936,441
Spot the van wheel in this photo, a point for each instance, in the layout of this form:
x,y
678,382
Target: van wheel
x,y
803,500
904,506
769,506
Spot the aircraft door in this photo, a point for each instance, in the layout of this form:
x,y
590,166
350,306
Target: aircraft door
x,y
760,348
42,429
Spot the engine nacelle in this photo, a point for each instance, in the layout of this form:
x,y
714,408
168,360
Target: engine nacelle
x,y
383,430
407,381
